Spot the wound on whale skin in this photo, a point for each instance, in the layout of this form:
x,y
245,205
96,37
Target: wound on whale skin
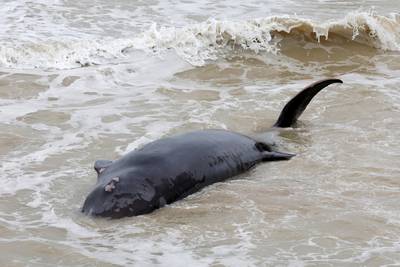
x,y
172,168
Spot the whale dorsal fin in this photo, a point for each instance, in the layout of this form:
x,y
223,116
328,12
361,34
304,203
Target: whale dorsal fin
x,y
101,165
295,107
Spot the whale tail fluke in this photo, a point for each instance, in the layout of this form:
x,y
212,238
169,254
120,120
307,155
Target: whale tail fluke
x,y
295,107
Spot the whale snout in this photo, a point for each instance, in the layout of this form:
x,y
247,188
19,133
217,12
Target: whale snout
x,y
111,200
97,203
103,200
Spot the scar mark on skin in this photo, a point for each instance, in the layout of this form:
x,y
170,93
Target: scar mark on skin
x,y
111,185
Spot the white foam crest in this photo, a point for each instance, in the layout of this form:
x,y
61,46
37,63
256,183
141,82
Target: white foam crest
x,y
60,54
378,31
198,43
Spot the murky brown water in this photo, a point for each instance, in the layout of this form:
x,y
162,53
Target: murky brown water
x,y
334,204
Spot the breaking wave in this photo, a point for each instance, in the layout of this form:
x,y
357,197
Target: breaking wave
x,y
198,43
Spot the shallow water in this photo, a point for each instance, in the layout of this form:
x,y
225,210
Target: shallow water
x,y
94,80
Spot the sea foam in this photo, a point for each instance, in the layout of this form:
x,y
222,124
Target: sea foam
x,y
202,42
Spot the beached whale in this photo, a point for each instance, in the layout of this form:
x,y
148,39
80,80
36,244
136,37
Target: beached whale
x,y
172,168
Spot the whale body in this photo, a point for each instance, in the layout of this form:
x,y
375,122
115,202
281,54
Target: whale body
x,y
172,168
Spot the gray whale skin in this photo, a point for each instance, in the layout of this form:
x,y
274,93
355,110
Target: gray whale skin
x,y
172,168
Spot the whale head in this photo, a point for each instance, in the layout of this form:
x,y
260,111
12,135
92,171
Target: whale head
x,y
119,194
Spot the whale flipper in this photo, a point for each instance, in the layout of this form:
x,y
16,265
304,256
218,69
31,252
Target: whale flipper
x,y
101,165
275,155
295,107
